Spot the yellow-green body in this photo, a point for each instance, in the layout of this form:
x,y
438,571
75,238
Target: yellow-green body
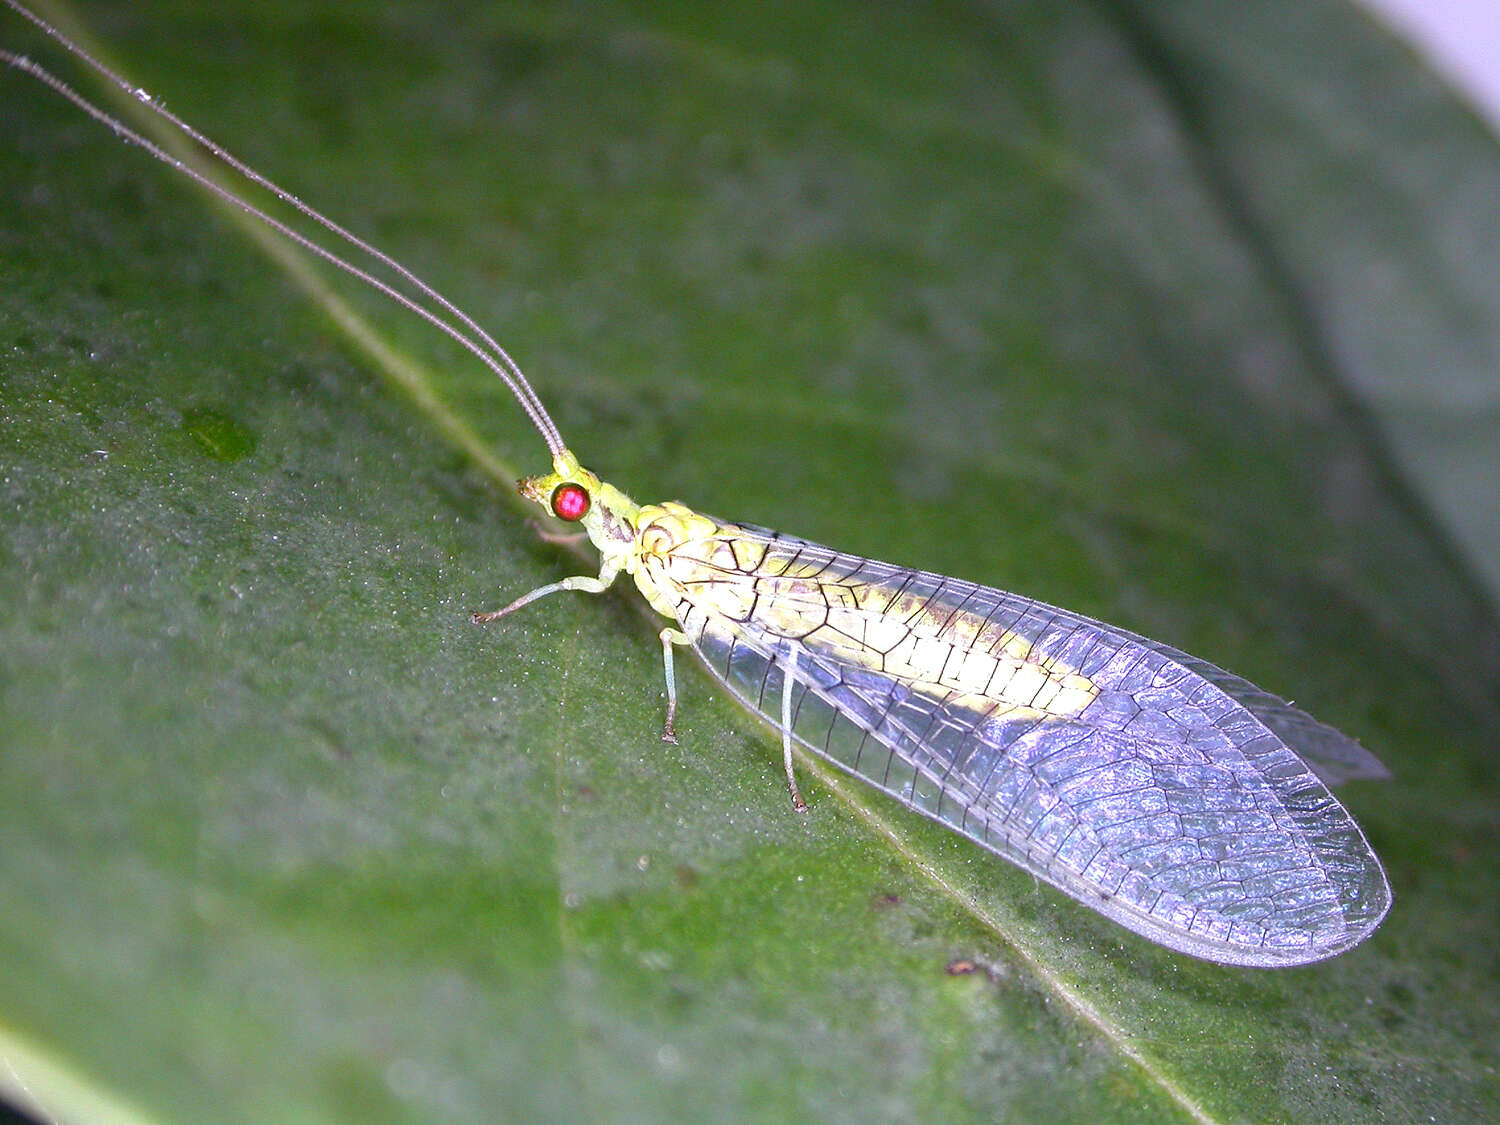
x,y
712,576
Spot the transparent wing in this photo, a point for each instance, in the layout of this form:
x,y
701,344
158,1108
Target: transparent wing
x,y
1182,801
1328,752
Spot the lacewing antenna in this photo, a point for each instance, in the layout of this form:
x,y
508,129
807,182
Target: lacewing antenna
x,y
449,318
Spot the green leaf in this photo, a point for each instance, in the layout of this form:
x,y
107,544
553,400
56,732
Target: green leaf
x,y
1025,294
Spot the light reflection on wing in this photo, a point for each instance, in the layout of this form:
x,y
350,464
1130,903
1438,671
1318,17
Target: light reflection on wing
x,y
1175,802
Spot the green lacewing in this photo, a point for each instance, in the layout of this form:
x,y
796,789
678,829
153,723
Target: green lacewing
x,y
1167,794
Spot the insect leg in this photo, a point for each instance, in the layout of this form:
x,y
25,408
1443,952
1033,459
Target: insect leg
x,y
788,678
670,637
585,582
558,538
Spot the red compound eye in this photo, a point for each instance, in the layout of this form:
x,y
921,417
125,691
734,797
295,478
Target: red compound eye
x,y
570,502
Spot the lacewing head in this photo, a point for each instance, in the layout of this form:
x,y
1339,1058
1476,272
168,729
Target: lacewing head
x,y
573,494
